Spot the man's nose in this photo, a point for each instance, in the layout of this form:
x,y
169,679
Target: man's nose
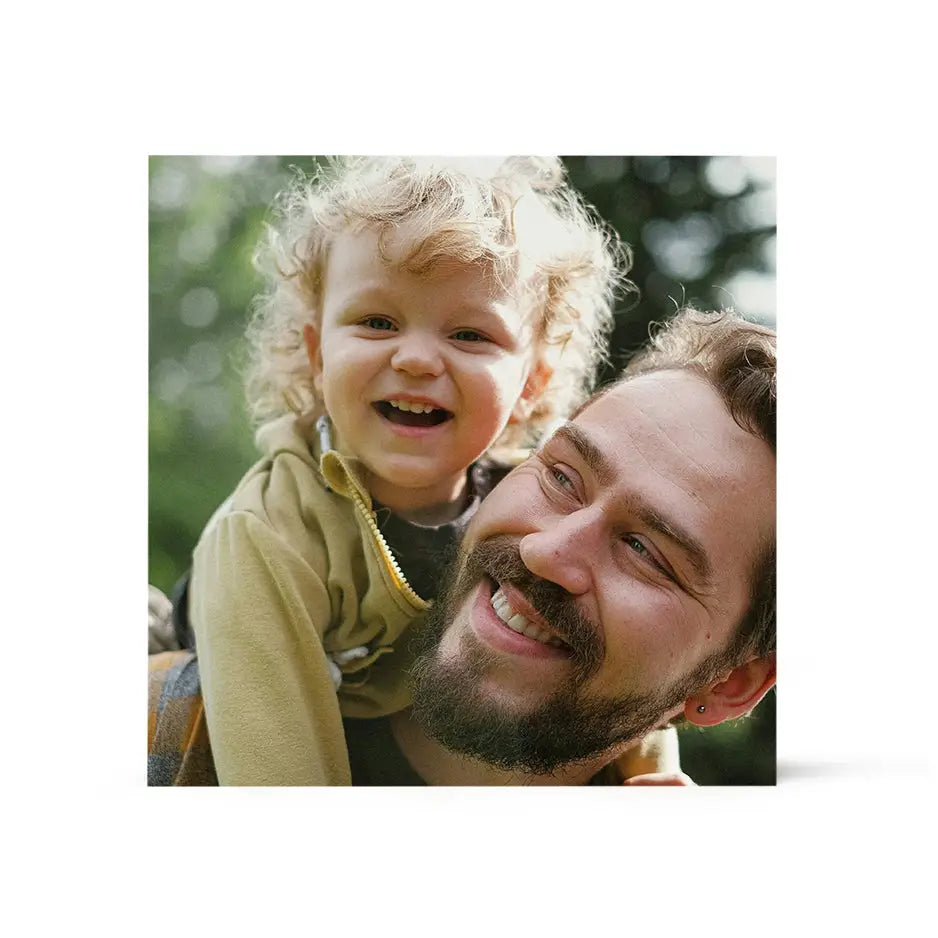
x,y
563,551
417,354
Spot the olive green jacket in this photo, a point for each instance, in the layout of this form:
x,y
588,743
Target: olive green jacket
x,y
292,570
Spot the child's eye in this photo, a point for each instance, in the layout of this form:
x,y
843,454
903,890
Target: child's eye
x,y
381,323
469,335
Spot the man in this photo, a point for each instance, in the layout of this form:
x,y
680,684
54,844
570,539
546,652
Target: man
x,y
621,578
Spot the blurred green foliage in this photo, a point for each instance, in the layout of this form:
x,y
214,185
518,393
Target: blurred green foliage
x,y
702,230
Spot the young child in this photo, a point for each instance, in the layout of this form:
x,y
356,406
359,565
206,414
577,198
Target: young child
x,y
425,321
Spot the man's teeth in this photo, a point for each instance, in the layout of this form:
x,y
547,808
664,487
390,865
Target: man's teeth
x,y
517,622
412,407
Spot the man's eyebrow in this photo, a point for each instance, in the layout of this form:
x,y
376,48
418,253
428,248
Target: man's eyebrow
x,y
589,452
601,466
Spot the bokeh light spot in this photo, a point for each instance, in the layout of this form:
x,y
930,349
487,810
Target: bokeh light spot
x,y
752,294
198,307
169,380
197,244
758,209
226,165
606,168
725,175
683,249
203,361
169,187
761,170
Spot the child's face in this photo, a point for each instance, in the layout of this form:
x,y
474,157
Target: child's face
x,y
393,343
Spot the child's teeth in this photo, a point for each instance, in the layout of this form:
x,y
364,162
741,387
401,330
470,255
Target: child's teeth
x,y
412,407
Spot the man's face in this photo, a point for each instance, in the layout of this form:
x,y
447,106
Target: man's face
x,y
625,549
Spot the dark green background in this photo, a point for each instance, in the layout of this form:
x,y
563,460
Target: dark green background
x,y
702,230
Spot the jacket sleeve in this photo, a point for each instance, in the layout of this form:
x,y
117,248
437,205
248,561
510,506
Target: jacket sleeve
x,y
259,610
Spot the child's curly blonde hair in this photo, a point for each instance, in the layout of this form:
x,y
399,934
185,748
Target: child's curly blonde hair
x,y
517,215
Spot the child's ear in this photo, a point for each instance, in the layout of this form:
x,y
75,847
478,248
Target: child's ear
x,y
540,374
314,354
734,694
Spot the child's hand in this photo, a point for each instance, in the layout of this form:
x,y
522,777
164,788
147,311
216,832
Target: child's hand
x,y
656,755
160,633
661,778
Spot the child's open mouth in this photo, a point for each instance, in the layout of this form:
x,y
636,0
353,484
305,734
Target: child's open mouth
x,y
412,414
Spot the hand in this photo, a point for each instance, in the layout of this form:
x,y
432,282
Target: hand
x,y
661,778
161,636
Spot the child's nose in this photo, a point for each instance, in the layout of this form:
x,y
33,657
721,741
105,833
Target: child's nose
x,y
417,355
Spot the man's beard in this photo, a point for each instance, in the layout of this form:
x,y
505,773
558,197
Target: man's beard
x,y
568,726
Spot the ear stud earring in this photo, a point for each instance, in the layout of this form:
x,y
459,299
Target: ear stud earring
x,y
701,709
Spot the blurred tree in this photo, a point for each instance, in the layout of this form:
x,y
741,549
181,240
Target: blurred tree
x,y
702,230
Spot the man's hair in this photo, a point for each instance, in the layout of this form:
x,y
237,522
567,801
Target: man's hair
x,y
517,216
738,359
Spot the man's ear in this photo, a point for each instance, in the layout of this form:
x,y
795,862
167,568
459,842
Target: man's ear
x,y
314,354
532,390
734,695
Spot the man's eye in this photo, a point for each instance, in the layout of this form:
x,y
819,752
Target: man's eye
x,y
639,548
561,478
378,322
469,335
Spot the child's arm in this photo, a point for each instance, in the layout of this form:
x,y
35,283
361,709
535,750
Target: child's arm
x,y
258,609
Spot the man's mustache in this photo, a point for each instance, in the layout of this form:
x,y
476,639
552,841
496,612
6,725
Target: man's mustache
x,y
499,558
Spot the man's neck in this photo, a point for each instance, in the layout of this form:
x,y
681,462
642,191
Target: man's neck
x,y
437,765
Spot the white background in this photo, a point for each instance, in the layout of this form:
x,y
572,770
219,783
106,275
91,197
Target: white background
x,y
840,844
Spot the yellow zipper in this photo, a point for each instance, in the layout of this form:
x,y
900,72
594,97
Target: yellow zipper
x,y
324,428
394,568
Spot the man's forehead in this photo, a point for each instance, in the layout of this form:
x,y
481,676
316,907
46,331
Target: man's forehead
x,y
666,394
676,405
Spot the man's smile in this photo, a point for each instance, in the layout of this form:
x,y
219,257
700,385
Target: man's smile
x,y
498,625
511,608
